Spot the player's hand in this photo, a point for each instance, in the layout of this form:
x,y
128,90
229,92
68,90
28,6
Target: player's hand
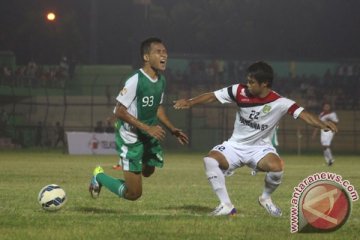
x,y
156,132
330,126
181,104
181,136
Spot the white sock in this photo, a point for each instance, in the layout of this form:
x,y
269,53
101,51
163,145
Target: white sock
x,y
272,181
217,180
328,155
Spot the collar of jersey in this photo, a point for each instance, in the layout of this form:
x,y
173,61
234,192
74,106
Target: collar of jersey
x,y
152,80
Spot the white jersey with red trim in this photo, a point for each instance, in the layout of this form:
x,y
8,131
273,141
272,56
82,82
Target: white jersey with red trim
x,y
329,116
327,135
256,118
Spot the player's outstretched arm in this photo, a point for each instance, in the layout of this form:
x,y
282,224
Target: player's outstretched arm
x,y
314,121
188,103
178,133
154,131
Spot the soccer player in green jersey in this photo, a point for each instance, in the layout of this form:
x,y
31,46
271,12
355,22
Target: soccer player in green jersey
x,y
140,111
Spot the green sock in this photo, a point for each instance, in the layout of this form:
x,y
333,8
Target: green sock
x,y
116,186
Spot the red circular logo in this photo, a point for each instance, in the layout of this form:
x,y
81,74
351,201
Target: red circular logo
x,y
325,206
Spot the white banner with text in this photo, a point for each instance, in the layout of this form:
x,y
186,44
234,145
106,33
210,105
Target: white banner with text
x,y
91,143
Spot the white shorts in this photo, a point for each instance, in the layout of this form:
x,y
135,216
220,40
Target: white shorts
x,y
239,155
326,138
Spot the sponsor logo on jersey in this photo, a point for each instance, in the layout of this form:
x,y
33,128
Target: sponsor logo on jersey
x,y
253,125
266,109
123,91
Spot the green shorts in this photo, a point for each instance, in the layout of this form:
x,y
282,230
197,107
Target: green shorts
x,y
134,156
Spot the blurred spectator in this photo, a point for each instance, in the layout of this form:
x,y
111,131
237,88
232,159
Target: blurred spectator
x,y
311,104
64,67
38,134
30,74
62,73
60,134
7,75
220,70
72,67
110,127
210,72
53,77
99,127
108,95
303,89
20,76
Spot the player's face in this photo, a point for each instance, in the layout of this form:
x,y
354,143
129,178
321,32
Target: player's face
x,y
326,107
157,57
255,88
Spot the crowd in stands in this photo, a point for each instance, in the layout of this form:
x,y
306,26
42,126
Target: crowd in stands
x,y
35,75
340,88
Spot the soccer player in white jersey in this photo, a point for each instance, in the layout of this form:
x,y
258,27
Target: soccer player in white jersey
x,y
326,137
139,111
259,112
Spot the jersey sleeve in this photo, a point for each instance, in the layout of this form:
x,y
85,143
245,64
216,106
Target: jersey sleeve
x,y
128,94
162,98
227,94
335,118
294,109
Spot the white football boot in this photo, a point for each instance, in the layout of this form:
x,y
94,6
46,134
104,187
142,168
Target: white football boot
x,y
224,209
272,209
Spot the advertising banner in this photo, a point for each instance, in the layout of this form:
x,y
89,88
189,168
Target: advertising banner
x,y
91,143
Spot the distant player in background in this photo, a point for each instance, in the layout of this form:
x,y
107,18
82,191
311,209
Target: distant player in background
x,y
140,111
259,112
326,137
60,135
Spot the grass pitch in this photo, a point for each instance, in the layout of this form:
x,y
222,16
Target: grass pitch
x,y
174,205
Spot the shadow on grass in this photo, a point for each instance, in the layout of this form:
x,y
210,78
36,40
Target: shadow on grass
x,y
97,210
191,209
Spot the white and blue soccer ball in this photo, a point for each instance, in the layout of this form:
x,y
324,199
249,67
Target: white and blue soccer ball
x,y
52,197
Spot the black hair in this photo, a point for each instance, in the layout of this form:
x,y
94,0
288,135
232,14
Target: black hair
x,y
326,103
262,72
146,44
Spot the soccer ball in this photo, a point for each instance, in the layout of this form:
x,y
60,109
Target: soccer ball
x,y
52,197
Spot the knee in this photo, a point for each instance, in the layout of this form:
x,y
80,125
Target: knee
x,y
277,166
210,163
217,161
274,177
148,171
133,195
282,165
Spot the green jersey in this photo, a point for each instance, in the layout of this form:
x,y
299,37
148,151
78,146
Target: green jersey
x,y
142,97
